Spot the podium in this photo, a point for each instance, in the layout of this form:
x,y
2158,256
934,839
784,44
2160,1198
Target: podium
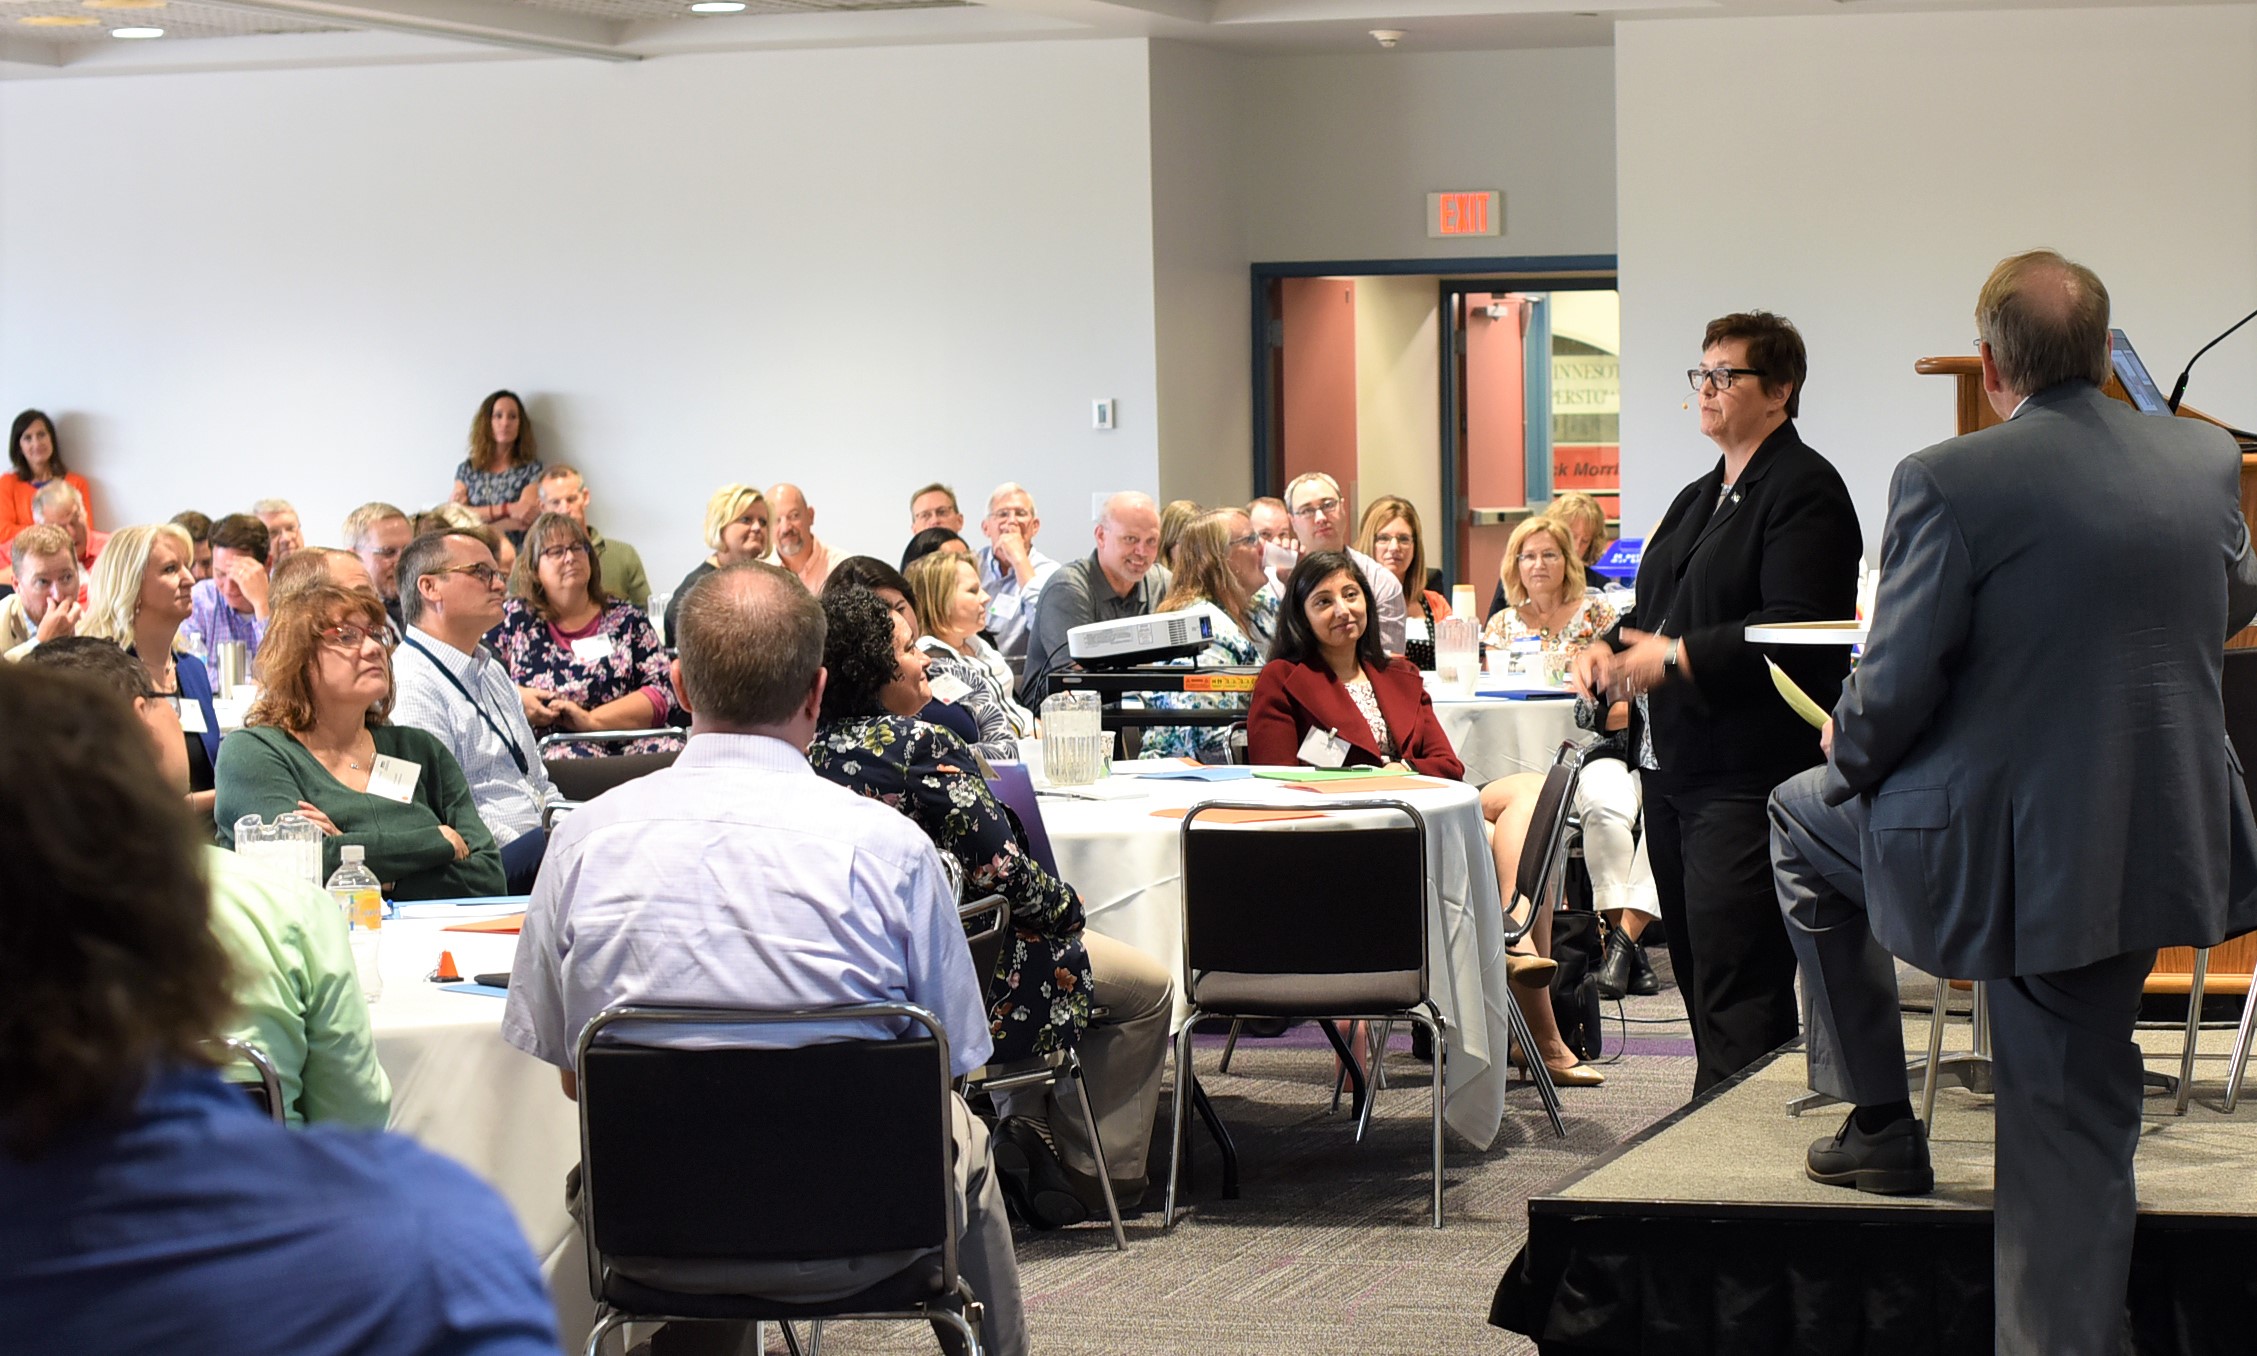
x,y
2230,961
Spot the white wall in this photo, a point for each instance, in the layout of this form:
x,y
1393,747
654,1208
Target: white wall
x,y
1339,152
1861,174
1201,297
856,269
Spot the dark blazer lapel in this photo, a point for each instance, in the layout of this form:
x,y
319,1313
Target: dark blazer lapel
x,y
1761,462
1705,502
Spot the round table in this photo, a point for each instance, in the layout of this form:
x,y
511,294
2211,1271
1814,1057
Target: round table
x,y
1496,736
1126,863
459,1089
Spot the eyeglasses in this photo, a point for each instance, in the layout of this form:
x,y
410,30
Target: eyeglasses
x,y
564,552
486,576
353,637
1392,539
1544,558
1250,539
1719,378
1011,514
1318,508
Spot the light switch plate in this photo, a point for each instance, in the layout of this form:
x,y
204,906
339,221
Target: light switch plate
x,y
1102,415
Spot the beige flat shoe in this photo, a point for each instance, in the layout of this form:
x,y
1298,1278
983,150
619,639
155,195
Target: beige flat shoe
x,y
1529,972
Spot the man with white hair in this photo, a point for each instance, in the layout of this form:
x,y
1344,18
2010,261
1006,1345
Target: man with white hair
x,y
1321,520
1118,579
58,504
45,605
797,548
1011,570
284,533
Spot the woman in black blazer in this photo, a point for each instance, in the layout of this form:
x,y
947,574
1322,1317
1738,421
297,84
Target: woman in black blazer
x,y
1768,535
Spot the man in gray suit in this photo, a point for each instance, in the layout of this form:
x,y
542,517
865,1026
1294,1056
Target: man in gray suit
x,y
2028,782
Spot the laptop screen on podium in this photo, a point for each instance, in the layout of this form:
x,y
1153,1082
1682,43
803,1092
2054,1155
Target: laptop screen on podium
x,y
2146,396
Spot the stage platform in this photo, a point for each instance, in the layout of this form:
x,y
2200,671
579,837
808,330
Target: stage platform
x,y
1702,1235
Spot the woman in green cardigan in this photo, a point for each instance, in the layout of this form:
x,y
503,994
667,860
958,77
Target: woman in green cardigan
x,y
316,742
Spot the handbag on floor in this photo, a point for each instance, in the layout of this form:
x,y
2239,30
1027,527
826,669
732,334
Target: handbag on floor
x,y
1577,948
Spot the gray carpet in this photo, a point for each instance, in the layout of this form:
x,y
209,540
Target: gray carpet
x,y
1328,1247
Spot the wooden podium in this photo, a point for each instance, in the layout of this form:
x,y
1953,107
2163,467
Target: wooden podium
x,y
2230,960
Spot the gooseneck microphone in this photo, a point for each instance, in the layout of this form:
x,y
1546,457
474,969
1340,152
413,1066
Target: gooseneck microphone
x,y
2178,388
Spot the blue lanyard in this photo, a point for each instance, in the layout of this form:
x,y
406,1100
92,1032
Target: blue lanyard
x,y
524,769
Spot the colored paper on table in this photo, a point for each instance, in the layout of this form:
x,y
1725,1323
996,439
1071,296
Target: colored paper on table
x,y
1393,781
1532,694
1796,697
482,990
1236,816
1311,774
510,923
1201,774
1151,767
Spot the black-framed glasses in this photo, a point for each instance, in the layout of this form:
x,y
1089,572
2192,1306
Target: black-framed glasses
x,y
1317,508
1719,378
486,576
564,552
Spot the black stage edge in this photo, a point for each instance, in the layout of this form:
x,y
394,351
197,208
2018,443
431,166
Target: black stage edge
x,y
1719,1277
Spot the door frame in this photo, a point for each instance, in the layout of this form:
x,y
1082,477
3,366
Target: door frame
x,y
1503,273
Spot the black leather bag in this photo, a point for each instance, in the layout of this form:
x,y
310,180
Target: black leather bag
x,y
1577,947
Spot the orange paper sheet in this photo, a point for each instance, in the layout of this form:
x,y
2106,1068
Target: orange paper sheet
x,y
1227,816
1389,782
510,923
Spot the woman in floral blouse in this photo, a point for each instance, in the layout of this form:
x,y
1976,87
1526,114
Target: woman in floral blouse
x,y
500,480
1040,996
588,660
1543,580
1218,571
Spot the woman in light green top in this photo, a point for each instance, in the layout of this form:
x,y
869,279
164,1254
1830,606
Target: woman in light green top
x,y
316,742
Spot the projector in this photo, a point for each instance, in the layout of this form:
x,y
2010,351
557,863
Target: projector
x,y
1140,640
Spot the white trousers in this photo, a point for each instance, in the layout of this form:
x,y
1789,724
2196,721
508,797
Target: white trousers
x,y
1606,799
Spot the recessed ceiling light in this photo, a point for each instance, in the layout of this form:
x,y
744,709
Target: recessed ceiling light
x,y
137,32
59,20
718,7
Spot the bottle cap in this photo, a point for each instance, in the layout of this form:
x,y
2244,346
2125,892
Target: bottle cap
x,y
350,853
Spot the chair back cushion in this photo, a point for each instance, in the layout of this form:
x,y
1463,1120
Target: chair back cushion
x,y
588,778
1544,830
1014,786
1314,902
823,1151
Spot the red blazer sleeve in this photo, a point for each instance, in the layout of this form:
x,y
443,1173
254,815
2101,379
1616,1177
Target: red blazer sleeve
x,y
1419,740
1274,723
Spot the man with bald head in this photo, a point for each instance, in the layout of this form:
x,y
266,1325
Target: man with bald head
x,y
1118,579
2039,805
797,548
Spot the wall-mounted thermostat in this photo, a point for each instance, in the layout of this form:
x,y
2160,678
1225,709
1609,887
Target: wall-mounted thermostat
x,y
1102,415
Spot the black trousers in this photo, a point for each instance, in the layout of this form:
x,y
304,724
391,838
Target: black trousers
x,y
1710,845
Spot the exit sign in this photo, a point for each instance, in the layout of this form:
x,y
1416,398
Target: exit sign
x,y
1451,214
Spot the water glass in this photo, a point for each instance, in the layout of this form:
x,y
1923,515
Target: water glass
x,y
290,846
1076,750
1457,654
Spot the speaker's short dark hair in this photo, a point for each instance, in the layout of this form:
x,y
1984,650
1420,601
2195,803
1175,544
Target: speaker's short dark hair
x,y
1774,349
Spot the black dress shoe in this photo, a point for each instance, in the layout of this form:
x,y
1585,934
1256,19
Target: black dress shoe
x,y
1033,1179
1890,1161
1615,969
1643,981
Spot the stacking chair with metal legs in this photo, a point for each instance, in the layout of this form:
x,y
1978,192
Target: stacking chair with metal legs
x,y
1326,922
1543,860
1059,1066
699,1166
580,780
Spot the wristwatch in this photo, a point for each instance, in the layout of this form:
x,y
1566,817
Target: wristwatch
x,y
1669,659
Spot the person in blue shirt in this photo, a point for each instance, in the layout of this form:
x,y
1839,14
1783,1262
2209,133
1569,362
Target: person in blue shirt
x,y
150,1206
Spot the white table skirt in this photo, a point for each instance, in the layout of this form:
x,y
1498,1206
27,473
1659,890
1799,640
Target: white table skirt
x,y
460,1090
1127,865
1496,737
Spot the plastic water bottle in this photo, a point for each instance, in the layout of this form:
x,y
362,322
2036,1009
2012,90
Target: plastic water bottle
x,y
357,892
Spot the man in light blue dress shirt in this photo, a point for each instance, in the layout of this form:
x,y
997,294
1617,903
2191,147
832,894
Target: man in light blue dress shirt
x,y
445,681
738,878
1011,570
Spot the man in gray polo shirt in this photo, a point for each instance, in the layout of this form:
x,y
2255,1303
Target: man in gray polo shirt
x,y
1118,579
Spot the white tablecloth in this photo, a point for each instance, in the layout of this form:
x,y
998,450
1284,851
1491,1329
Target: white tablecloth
x,y
459,1089
1127,865
1497,736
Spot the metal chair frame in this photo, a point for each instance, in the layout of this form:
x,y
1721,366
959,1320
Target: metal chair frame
x,y
1431,1018
966,1319
270,1081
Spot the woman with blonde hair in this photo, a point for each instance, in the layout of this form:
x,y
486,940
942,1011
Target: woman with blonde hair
x,y
1544,593
312,741
1390,534
1175,516
1586,525
140,595
500,480
736,530
594,662
1218,569
962,668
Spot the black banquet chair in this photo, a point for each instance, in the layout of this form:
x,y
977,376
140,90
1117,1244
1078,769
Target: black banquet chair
x,y
694,1160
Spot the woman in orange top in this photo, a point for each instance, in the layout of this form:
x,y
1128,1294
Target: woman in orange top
x,y
35,456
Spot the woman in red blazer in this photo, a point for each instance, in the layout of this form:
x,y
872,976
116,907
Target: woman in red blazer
x,y
1327,673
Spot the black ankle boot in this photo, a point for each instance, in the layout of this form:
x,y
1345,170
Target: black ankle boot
x,y
1614,970
1643,981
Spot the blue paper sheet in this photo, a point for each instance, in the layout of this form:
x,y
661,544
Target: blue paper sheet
x,y
484,990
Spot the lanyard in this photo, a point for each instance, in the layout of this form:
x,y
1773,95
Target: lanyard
x,y
516,755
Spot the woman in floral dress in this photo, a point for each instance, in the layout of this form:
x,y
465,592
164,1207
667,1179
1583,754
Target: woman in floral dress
x,y
584,659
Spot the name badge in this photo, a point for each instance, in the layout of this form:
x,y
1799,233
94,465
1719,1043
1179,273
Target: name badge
x,y
1003,606
1414,628
393,778
592,649
1322,748
191,716
950,688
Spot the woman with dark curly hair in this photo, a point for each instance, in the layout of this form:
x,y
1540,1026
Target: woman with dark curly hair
x,y
1039,998
151,1206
